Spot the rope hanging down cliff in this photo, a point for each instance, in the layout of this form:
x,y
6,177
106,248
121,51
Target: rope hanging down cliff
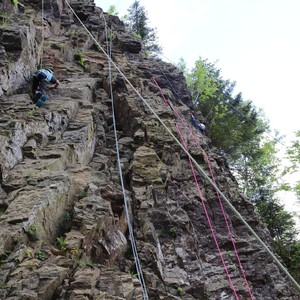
x,y
208,218
132,239
276,260
169,104
43,36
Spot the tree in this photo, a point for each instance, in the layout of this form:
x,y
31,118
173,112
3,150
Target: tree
x,y
282,229
293,155
234,125
137,23
258,171
112,10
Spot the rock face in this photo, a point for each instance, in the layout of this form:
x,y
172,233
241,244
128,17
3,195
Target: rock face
x,y
63,222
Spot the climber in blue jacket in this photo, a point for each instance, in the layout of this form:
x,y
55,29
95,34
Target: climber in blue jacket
x,y
39,85
200,126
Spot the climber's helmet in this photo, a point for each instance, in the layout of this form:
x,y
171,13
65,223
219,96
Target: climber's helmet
x,y
202,126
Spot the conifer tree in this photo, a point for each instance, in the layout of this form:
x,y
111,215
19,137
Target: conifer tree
x,y
137,23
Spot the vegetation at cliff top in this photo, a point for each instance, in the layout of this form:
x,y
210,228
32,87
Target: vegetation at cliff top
x,y
137,22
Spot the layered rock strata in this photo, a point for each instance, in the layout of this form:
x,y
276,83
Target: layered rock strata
x,y
63,226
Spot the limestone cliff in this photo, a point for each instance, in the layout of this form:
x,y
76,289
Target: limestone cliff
x,y
63,226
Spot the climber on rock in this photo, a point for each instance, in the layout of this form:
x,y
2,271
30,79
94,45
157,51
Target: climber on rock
x,y
39,85
200,126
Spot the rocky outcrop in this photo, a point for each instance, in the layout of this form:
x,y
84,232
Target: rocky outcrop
x,y
64,230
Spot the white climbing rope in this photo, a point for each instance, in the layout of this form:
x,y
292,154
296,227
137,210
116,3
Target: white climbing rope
x,y
43,36
279,264
132,239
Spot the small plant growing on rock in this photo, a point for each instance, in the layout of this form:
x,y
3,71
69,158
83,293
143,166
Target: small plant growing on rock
x,y
40,255
133,274
29,252
84,262
15,2
82,194
32,232
29,174
111,36
180,291
4,19
30,113
75,253
4,257
61,243
173,231
68,217
78,56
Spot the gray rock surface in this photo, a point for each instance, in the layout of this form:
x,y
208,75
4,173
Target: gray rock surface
x,y
63,226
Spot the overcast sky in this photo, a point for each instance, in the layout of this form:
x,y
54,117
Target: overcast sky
x,y
255,43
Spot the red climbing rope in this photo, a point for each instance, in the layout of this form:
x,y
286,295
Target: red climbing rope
x,y
214,181
207,216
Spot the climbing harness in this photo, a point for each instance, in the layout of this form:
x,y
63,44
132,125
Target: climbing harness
x,y
232,208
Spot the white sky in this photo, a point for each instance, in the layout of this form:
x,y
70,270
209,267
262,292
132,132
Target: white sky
x,y
254,42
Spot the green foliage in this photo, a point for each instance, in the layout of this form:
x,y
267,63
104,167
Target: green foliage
x,y
257,170
111,36
294,261
67,217
4,19
75,253
233,124
40,255
293,155
180,291
61,243
4,257
33,231
173,231
282,229
82,194
15,2
133,273
29,252
30,113
84,262
29,173
78,56
112,10
137,35
137,22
